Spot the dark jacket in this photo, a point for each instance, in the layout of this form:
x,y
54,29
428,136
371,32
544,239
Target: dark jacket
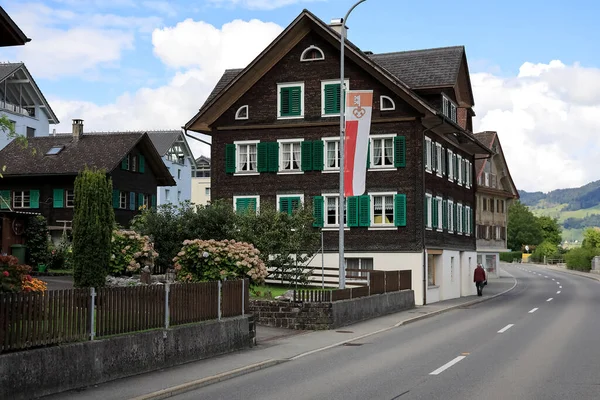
x,y
479,275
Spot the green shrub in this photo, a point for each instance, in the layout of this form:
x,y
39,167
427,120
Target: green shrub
x,y
130,252
36,235
580,259
509,256
61,255
545,250
209,260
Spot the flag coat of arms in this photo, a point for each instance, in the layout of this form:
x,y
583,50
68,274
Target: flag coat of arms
x,y
359,106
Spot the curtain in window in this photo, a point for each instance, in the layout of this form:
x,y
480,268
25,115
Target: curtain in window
x,y
377,152
296,155
252,156
377,209
243,158
331,210
287,157
389,210
389,152
331,154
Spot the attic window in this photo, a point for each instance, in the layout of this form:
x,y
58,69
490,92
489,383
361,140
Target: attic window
x,y
242,112
54,150
386,103
312,53
449,108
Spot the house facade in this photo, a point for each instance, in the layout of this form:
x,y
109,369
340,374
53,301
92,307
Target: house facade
x,y
23,103
42,182
201,181
177,156
495,192
275,139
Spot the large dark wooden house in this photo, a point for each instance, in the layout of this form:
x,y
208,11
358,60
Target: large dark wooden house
x,y
39,178
275,137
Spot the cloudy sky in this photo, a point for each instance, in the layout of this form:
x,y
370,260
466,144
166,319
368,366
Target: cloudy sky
x,y
135,64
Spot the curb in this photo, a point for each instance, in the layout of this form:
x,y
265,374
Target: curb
x,y
197,384
189,386
567,272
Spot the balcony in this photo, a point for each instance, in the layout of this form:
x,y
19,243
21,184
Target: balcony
x,y
28,112
488,180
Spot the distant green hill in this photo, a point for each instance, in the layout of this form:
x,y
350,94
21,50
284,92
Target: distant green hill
x,y
575,209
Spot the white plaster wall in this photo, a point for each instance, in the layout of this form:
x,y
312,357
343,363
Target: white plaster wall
x,y
451,277
468,262
199,186
39,123
433,294
184,184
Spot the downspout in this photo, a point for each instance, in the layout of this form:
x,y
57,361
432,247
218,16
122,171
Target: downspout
x,y
423,227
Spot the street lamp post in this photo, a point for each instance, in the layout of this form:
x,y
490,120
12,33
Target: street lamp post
x,y
342,263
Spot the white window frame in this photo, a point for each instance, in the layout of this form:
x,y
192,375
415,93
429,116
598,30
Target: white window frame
x,y
498,232
459,213
449,108
246,197
123,200
327,140
451,216
388,98
290,84
468,227
372,165
337,210
459,177
291,170
309,48
240,110
71,203
382,225
288,195
237,157
439,159
167,195
467,173
440,225
429,205
329,82
428,160
21,195
450,160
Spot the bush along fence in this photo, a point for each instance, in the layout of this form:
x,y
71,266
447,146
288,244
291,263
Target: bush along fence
x,y
35,319
378,282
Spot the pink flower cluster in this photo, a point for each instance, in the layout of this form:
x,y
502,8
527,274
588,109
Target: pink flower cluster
x,y
136,251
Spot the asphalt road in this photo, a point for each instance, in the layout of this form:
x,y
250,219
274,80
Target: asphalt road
x,y
539,341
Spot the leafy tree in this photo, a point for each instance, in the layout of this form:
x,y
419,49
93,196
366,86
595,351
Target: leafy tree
x,y
7,128
580,258
523,227
551,231
37,240
93,223
545,249
591,238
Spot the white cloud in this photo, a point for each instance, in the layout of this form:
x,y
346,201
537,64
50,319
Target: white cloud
x,y
172,105
547,121
258,4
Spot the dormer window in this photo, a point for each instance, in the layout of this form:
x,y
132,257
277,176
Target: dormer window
x,y
449,108
312,53
386,103
242,112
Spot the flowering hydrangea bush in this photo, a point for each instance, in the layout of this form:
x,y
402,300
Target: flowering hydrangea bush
x,y
130,252
207,260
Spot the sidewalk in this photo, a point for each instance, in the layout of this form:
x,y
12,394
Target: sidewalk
x,y
274,346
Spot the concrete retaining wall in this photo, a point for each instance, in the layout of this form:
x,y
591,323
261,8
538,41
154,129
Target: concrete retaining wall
x,y
39,372
318,316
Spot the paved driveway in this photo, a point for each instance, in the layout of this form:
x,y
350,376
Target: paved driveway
x,y
58,282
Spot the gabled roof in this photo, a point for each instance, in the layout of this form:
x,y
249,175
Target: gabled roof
x,y
489,138
163,140
32,91
10,33
203,159
101,151
227,77
424,68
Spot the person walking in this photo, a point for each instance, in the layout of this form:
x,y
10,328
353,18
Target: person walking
x,y
479,279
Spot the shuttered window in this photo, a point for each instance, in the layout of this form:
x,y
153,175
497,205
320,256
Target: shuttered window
x,y
288,204
400,151
291,100
58,198
318,217
331,98
400,210
246,204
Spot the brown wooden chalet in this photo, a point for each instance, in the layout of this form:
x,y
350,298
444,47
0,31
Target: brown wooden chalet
x,y
39,178
275,134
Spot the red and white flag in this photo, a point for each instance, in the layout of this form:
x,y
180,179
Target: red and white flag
x,y
359,106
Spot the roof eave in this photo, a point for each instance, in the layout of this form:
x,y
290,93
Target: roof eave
x,y
17,33
52,118
464,137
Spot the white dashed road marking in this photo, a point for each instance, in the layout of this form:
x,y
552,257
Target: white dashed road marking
x,y
447,365
550,299
558,292
507,327
533,310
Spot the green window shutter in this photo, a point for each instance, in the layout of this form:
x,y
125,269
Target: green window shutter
x,y
284,205
400,210
306,156
444,214
132,201
262,150
294,203
400,151
368,155
434,157
125,162
142,164
454,216
273,154
291,101
241,205
317,153
353,211
4,199
364,212
425,211
58,198
318,211
434,212
153,200
455,167
230,158
284,100
34,199
140,199
252,204
116,195
464,219
295,101
443,161
332,98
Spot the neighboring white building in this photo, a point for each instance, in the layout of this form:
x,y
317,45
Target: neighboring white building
x,y
23,103
201,181
177,156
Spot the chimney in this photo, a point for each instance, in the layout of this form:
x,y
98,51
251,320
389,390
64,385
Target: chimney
x,y
336,24
77,128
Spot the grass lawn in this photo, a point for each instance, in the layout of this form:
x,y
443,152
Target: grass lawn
x,y
61,271
262,291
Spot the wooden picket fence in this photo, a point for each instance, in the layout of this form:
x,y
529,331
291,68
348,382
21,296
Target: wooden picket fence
x,y
33,319
378,282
